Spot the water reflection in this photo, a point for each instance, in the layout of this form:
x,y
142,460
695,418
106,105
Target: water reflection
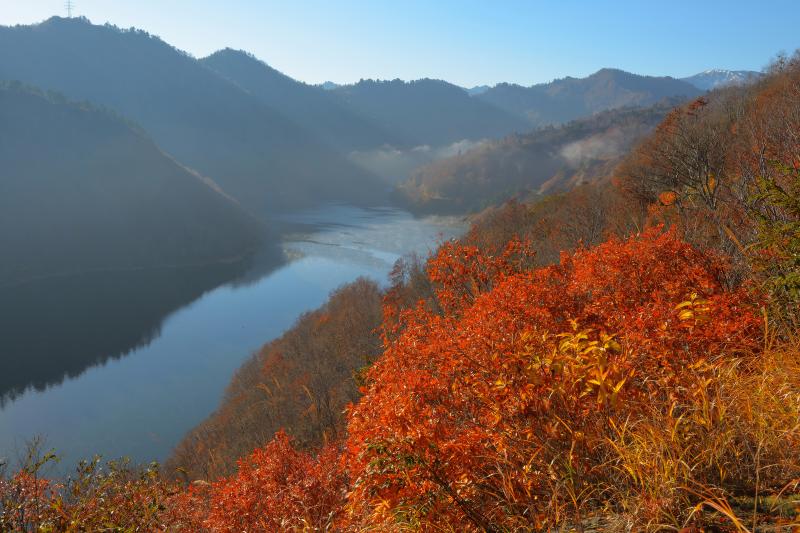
x,y
56,328
183,341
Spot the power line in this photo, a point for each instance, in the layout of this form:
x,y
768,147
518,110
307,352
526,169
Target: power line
x,y
69,6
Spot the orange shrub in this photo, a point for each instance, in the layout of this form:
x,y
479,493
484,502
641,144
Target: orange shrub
x,y
279,488
496,416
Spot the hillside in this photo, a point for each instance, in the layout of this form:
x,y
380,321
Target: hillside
x,y
82,190
569,98
428,112
312,107
335,340
545,161
253,152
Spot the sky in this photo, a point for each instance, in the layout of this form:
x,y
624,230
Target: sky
x,y
467,42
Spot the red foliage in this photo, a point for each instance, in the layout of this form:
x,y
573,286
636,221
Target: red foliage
x,y
460,273
24,500
277,488
470,418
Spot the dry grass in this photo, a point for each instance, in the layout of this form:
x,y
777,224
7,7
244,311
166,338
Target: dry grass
x,y
729,455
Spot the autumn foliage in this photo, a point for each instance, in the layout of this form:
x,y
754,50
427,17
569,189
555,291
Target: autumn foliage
x,y
276,488
499,414
111,497
646,379
728,167
608,385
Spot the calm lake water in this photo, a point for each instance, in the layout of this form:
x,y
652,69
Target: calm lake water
x,y
123,365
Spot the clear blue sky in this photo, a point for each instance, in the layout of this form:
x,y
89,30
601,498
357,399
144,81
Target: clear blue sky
x,y
468,42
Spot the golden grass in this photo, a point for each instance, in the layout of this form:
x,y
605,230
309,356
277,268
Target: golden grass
x,y
731,452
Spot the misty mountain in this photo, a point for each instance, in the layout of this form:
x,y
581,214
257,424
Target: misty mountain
x,y
716,78
254,152
478,89
312,107
567,99
82,190
428,112
548,160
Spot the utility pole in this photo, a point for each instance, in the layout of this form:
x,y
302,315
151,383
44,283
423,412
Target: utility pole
x,y
69,5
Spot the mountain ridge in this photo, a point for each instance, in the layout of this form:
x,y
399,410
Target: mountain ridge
x,y
312,107
569,98
253,152
428,111
106,197
717,78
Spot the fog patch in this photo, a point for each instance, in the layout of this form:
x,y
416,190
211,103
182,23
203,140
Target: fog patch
x,y
606,145
395,164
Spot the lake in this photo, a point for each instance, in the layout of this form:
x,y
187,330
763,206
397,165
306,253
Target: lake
x,y
123,364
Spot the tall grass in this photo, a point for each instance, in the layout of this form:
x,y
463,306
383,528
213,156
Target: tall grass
x,y
728,454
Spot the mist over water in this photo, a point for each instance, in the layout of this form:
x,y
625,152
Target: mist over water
x,y
396,164
160,351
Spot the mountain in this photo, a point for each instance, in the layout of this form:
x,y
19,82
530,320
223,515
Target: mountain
x,y
428,112
254,152
82,190
547,160
567,99
715,78
478,89
329,85
312,107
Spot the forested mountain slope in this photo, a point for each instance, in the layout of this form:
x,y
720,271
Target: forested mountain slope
x,y
548,160
81,189
428,112
254,152
314,108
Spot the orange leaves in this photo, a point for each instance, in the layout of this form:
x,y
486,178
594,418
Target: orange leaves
x,y
279,488
98,497
461,273
667,197
476,416
24,499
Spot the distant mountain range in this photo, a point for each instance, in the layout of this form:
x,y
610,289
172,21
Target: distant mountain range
x,y
427,111
716,78
81,189
606,89
567,99
272,142
551,159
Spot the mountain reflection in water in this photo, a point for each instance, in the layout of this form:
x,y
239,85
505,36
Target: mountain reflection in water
x,y
124,364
